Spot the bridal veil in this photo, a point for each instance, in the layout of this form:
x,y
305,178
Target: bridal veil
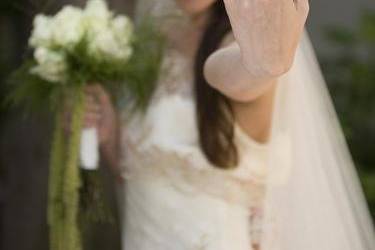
x,y
314,199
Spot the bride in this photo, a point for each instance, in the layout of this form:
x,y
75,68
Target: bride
x,y
240,147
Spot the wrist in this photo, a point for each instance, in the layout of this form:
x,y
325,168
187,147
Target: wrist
x,y
266,69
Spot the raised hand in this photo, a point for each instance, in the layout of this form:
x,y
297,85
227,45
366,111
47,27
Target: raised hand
x,y
267,32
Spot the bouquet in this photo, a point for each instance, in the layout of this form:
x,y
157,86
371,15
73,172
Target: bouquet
x,y
71,49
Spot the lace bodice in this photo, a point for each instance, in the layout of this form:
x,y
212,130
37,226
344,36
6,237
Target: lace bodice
x,y
167,132
176,77
162,145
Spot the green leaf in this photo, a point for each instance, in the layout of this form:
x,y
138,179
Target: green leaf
x,y
30,91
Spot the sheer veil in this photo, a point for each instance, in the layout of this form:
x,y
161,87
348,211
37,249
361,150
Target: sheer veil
x,y
314,199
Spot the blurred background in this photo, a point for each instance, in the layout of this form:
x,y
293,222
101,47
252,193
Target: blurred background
x,y
343,34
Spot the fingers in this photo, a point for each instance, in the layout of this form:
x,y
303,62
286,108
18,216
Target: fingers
x,y
97,91
95,99
91,120
93,112
297,8
91,104
290,6
303,7
302,3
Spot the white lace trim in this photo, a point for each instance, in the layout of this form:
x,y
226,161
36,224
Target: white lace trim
x,y
164,143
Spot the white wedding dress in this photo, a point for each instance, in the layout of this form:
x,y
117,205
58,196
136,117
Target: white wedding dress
x,y
174,198
300,191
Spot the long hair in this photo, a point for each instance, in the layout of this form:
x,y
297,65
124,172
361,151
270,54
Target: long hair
x,y
214,113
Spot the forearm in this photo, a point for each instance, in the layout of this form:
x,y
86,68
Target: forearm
x,y
224,70
266,35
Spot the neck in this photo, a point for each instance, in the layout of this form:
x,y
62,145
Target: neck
x,y
187,37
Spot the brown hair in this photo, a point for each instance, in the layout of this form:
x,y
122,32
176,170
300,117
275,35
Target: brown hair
x,y
214,113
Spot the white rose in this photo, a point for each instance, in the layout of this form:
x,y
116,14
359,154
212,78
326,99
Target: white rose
x,y
105,46
96,17
123,28
69,27
51,65
42,31
94,26
97,8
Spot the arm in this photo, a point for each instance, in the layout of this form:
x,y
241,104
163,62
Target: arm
x,y
225,71
266,34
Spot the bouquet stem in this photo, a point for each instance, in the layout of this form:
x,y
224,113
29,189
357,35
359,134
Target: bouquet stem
x,y
71,178
56,171
65,182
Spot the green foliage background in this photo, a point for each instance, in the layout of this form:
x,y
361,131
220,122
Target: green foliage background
x,y
350,75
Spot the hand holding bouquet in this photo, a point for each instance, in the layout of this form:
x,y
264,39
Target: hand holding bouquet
x,y
70,50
